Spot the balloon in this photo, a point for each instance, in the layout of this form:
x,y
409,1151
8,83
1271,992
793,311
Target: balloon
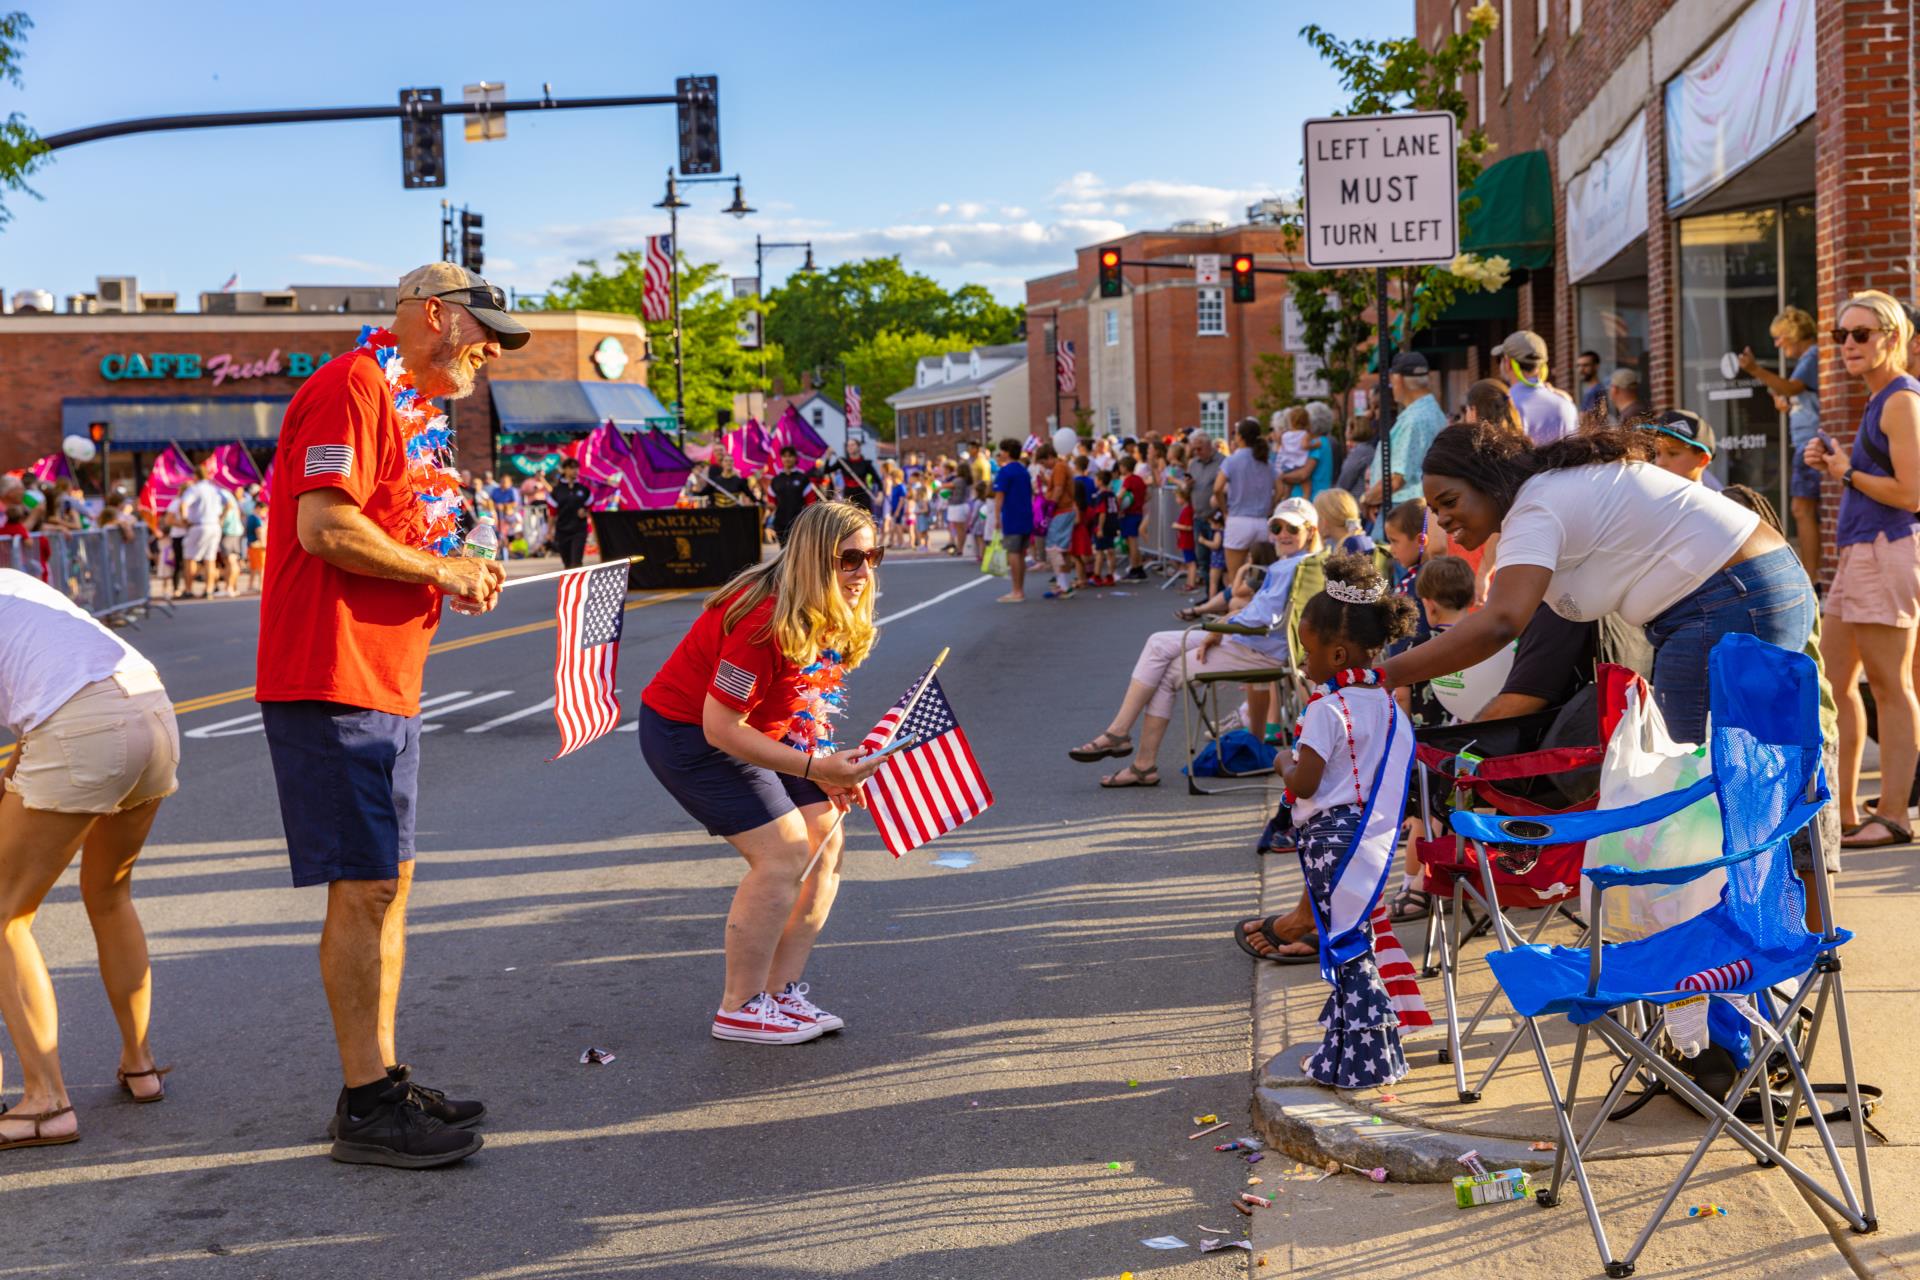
x,y
78,448
1063,441
1465,693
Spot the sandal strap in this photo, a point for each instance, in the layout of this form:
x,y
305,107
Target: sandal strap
x,y
135,1075
39,1117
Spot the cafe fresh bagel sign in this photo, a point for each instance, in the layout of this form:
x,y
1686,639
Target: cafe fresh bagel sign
x,y
221,368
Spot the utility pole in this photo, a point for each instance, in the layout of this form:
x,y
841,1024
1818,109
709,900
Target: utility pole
x,y
760,248
673,204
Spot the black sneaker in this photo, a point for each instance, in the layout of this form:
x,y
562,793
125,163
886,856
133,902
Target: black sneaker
x,y
398,1134
452,1113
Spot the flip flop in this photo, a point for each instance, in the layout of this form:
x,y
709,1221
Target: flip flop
x,y
1896,834
1266,928
1147,778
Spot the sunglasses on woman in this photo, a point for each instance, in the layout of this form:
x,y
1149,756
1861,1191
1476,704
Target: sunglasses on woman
x,y
850,561
1278,527
1860,335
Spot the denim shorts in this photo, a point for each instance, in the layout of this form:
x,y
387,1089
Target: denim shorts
x,y
1805,481
347,779
1768,597
1060,531
724,795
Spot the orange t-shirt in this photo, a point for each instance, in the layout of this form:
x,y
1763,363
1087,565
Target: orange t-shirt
x,y
326,634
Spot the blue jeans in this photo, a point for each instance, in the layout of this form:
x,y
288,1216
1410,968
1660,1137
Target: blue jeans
x,y
1768,597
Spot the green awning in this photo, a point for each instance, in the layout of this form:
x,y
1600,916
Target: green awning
x,y
1515,216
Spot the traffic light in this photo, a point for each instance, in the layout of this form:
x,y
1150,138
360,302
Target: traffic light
x,y
423,148
699,112
472,252
100,433
1243,277
1110,271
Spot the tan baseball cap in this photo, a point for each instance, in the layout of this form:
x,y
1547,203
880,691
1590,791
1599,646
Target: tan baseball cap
x,y
485,302
1523,346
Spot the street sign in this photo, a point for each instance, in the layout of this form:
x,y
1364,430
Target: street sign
x,y
1382,191
1310,376
1293,329
1206,268
490,124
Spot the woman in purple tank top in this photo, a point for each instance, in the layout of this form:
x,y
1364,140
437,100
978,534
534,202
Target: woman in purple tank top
x,y
1873,607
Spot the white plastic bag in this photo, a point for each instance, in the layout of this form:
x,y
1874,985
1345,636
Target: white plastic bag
x,y
1643,762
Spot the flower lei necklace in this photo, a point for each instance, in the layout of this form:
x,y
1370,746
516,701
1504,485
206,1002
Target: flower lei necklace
x,y
1367,678
822,698
429,442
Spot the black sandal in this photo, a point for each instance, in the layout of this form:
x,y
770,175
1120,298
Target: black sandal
x,y
1408,905
1266,931
1896,834
1093,752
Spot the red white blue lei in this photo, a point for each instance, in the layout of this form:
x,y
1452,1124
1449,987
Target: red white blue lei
x,y
1366,678
429,441
821,692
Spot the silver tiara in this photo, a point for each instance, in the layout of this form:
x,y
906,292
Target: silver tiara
x,y
1346,594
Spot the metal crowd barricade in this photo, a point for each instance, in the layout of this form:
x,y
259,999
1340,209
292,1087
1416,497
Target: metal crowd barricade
x,y
103,571
1158,540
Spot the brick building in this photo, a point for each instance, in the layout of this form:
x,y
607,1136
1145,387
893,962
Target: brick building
x,y
201,379
1711,161
1168,354
976,397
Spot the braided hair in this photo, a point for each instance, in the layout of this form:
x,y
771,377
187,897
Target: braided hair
x,y
1369,628
1497,463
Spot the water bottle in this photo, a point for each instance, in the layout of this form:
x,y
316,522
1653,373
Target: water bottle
x,y
483,543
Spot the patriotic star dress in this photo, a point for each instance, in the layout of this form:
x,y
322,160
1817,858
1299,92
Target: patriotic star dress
x,y
1361,1047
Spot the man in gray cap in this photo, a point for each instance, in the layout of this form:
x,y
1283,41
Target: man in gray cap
x,y
1418,420
355,578
1625,403
1545,410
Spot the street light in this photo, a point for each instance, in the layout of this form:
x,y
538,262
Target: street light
x,y
760,248
673,204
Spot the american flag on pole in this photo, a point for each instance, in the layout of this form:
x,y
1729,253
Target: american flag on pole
x,y
656,294
593,605
932,787
853,406
1063,366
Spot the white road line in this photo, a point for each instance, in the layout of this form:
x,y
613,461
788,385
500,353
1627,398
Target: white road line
x,y
545,704
982,580
444,708
239,726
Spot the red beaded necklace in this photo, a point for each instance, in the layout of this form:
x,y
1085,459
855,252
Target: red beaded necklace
x,y
1366,678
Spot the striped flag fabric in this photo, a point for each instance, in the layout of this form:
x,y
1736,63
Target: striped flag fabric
x,y
1396,971
928,789
1722,977
593,607
1063,366
853,406
656,295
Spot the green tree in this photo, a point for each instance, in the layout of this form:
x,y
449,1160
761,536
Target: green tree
x,y
884,364
1273,374
1380,76
819,317
714,364
21,151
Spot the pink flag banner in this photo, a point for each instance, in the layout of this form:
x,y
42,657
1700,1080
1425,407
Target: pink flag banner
x,y
52,469
170,473
794,430
751,447
233,467
661,466
605,466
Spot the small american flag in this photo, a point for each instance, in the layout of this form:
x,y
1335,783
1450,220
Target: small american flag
x,y
853,406
1063,366
930,788
656,294
587,655
329,459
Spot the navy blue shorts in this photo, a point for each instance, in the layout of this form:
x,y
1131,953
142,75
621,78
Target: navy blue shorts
x,y
1805,481
725,795
347,779
1129,527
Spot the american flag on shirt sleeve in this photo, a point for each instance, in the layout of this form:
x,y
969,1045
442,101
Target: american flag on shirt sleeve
x,y
928,789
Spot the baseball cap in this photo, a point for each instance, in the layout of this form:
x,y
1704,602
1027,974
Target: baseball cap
x,y
1524,346
1686,427
454,283
1624,377
1410,364
1297,512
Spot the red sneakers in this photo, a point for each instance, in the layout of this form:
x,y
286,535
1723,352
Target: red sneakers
x,y
794,1003
762,1021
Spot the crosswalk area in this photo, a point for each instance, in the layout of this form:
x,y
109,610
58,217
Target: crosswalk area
x,y
437,711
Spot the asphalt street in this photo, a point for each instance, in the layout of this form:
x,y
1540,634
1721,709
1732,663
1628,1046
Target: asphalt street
x,y
1070,1001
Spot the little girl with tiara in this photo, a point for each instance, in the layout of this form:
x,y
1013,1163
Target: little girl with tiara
x,y
1347,785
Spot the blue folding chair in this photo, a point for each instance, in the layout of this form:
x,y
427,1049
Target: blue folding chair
x,y
1767,774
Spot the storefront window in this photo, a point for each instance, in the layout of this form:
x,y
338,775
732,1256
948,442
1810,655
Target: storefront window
x,y
1613,325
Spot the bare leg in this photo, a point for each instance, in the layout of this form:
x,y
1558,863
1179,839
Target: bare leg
x,y
776,853
1887,654
809,914
393,961
1806,531
350,968
1152,730
1135,701
106,886
1842,659
35,847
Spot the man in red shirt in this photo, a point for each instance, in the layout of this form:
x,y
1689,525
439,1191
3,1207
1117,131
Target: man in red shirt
x,y
347,612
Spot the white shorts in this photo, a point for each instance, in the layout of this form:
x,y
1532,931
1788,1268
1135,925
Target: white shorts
x,y
201,543
1244,531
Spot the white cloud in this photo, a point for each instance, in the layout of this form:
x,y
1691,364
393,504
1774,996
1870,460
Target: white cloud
x,y
1149,202
335,262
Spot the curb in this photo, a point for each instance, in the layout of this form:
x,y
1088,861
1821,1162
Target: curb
x,y
1315,1124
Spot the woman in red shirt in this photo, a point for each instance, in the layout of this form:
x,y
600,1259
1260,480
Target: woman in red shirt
x,y
737,727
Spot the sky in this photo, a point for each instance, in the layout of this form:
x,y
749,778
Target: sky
x,y
982,142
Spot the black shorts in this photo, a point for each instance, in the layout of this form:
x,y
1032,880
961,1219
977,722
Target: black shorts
x,y
347,779
723,794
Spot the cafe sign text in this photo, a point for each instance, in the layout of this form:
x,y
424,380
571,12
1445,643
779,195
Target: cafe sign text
x,y
221,368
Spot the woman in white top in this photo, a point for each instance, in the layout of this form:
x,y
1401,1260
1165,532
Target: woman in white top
x,y
97,753
1589,525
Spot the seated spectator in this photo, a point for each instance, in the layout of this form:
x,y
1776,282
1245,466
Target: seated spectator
x,y
1340,526
1294,578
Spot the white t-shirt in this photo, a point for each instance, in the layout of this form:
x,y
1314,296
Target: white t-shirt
x,y
52,651
1324,729
1625,538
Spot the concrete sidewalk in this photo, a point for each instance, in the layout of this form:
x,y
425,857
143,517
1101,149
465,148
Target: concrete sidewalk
x,y
1350,1226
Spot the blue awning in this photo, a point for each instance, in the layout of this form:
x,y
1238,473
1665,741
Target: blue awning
x,y
154,422
548,407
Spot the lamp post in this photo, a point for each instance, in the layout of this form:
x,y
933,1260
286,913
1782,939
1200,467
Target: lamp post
x,y
673,204
760,248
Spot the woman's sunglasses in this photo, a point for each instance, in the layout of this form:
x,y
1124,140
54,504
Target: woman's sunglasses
x,y
850,561
1862,336
1278,527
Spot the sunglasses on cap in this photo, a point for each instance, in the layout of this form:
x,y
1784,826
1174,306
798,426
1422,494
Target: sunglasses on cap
x,y
492,297
1861,335
850,561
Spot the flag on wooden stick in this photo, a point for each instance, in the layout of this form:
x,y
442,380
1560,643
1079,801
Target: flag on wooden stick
x,y
927,789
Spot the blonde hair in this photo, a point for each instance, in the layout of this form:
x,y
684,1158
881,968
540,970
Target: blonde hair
x,y
810,613
1337,510
1892,317
1795,323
